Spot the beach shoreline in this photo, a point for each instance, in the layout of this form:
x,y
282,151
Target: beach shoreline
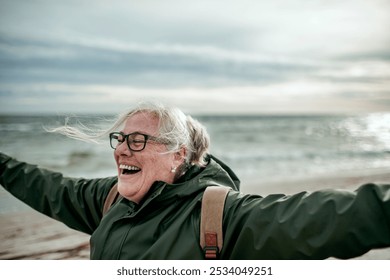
x,y
29,235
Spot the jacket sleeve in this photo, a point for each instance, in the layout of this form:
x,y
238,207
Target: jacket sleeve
x,y
76,202
318,225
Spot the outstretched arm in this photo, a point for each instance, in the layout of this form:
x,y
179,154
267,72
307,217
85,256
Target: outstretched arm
x,y
76,202
318,225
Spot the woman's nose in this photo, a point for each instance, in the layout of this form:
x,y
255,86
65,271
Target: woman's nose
x,y
123,149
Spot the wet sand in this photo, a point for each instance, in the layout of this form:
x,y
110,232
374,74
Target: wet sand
x,y
30,235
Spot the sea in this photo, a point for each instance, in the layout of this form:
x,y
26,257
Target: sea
x,y
256,147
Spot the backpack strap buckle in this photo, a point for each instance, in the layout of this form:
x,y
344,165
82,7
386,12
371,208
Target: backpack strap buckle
x,y
211,250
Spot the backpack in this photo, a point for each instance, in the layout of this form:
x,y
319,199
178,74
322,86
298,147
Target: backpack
x,y
213,202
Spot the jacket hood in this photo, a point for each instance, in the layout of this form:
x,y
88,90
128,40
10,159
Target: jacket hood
x,y
215,173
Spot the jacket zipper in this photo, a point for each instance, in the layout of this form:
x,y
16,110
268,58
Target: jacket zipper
x,y
123,241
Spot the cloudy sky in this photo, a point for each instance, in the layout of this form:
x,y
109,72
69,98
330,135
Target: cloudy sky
x,y
247,56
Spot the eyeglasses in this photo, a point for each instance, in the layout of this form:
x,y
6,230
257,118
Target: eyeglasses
x,y
135,141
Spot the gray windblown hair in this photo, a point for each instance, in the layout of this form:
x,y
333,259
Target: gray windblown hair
x,y
176,129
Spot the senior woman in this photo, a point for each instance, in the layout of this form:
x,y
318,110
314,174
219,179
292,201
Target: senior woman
x,y
163,169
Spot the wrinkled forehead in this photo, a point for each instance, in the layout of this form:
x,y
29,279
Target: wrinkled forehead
x,y
143,122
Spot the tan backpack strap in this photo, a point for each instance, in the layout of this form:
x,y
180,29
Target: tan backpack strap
x,y
211,236
110,199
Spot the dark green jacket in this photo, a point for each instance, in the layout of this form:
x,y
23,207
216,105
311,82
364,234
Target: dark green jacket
x,y
165,225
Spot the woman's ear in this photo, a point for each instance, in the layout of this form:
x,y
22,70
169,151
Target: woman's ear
x,y
180,155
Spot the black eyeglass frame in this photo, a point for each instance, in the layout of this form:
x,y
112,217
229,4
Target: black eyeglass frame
x,y
126,138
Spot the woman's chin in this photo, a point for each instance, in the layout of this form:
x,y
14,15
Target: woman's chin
x,y
131,189
129,180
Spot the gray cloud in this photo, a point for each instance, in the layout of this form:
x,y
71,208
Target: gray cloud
x,y
32,60
277,48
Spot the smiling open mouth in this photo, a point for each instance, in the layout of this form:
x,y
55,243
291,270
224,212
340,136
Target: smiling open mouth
x,y
129,169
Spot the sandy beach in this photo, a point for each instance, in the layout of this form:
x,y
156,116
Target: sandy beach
x,y
30,235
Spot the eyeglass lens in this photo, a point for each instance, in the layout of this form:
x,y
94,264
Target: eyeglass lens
x,y
135,142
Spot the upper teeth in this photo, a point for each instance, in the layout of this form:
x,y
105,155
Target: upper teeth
x,y
128,167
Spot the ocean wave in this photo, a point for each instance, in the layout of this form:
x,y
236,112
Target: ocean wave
x,y
77,156
250,145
